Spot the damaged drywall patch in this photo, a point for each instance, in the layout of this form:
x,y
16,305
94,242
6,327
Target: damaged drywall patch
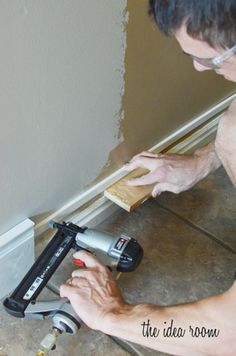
x,y
119,115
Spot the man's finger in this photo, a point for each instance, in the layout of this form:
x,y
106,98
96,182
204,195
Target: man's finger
x,y
66,291
128,167
89,259
145,154
149,163
84,274
164,187
147,179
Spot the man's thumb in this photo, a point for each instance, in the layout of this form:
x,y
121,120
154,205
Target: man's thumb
x,y
164,187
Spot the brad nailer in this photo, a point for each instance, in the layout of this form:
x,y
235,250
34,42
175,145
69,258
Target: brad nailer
x,y
120,253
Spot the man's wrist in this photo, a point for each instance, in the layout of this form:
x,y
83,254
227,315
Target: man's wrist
x,y
115,317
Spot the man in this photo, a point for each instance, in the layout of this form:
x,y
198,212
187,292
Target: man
x,y
206,31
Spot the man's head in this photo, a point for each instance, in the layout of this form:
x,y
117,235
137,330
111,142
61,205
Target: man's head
x,y
204,29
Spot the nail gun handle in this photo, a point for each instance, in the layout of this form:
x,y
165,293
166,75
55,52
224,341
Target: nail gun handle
x,y
39,274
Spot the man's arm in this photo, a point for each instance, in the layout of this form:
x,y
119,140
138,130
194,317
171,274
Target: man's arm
x,y
226,142
215,313
174,172
97,299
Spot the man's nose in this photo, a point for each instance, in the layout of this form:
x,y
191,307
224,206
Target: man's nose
x,y
199,67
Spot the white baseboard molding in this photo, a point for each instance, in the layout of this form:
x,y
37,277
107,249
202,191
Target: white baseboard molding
x,y
95,213
101,208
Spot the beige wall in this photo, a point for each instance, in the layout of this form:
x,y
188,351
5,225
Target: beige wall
x,y
65,122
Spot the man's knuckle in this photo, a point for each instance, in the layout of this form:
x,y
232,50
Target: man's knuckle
x,y
104,270
138,160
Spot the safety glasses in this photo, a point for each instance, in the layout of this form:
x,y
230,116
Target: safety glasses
x,y
215,62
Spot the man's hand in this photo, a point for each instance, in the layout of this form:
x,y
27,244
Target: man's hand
x,y
93,292
96,298
173,173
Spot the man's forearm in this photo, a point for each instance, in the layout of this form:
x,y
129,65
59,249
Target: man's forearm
x,y
226,143
147,324
178,330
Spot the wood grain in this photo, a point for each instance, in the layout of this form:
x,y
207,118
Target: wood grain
x,y
128,197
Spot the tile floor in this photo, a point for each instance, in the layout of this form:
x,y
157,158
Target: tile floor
x,y
190,244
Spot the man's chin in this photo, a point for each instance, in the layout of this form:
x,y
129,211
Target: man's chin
x,y
231,78
228,77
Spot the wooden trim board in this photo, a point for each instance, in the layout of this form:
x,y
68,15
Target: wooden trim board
x,y
128,197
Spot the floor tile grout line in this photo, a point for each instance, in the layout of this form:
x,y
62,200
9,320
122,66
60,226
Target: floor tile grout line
x,y
200,229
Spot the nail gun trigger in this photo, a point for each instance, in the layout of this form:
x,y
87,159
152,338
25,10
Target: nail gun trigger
x,y
78,262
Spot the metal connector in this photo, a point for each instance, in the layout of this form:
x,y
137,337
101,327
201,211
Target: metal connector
x,y
48,343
